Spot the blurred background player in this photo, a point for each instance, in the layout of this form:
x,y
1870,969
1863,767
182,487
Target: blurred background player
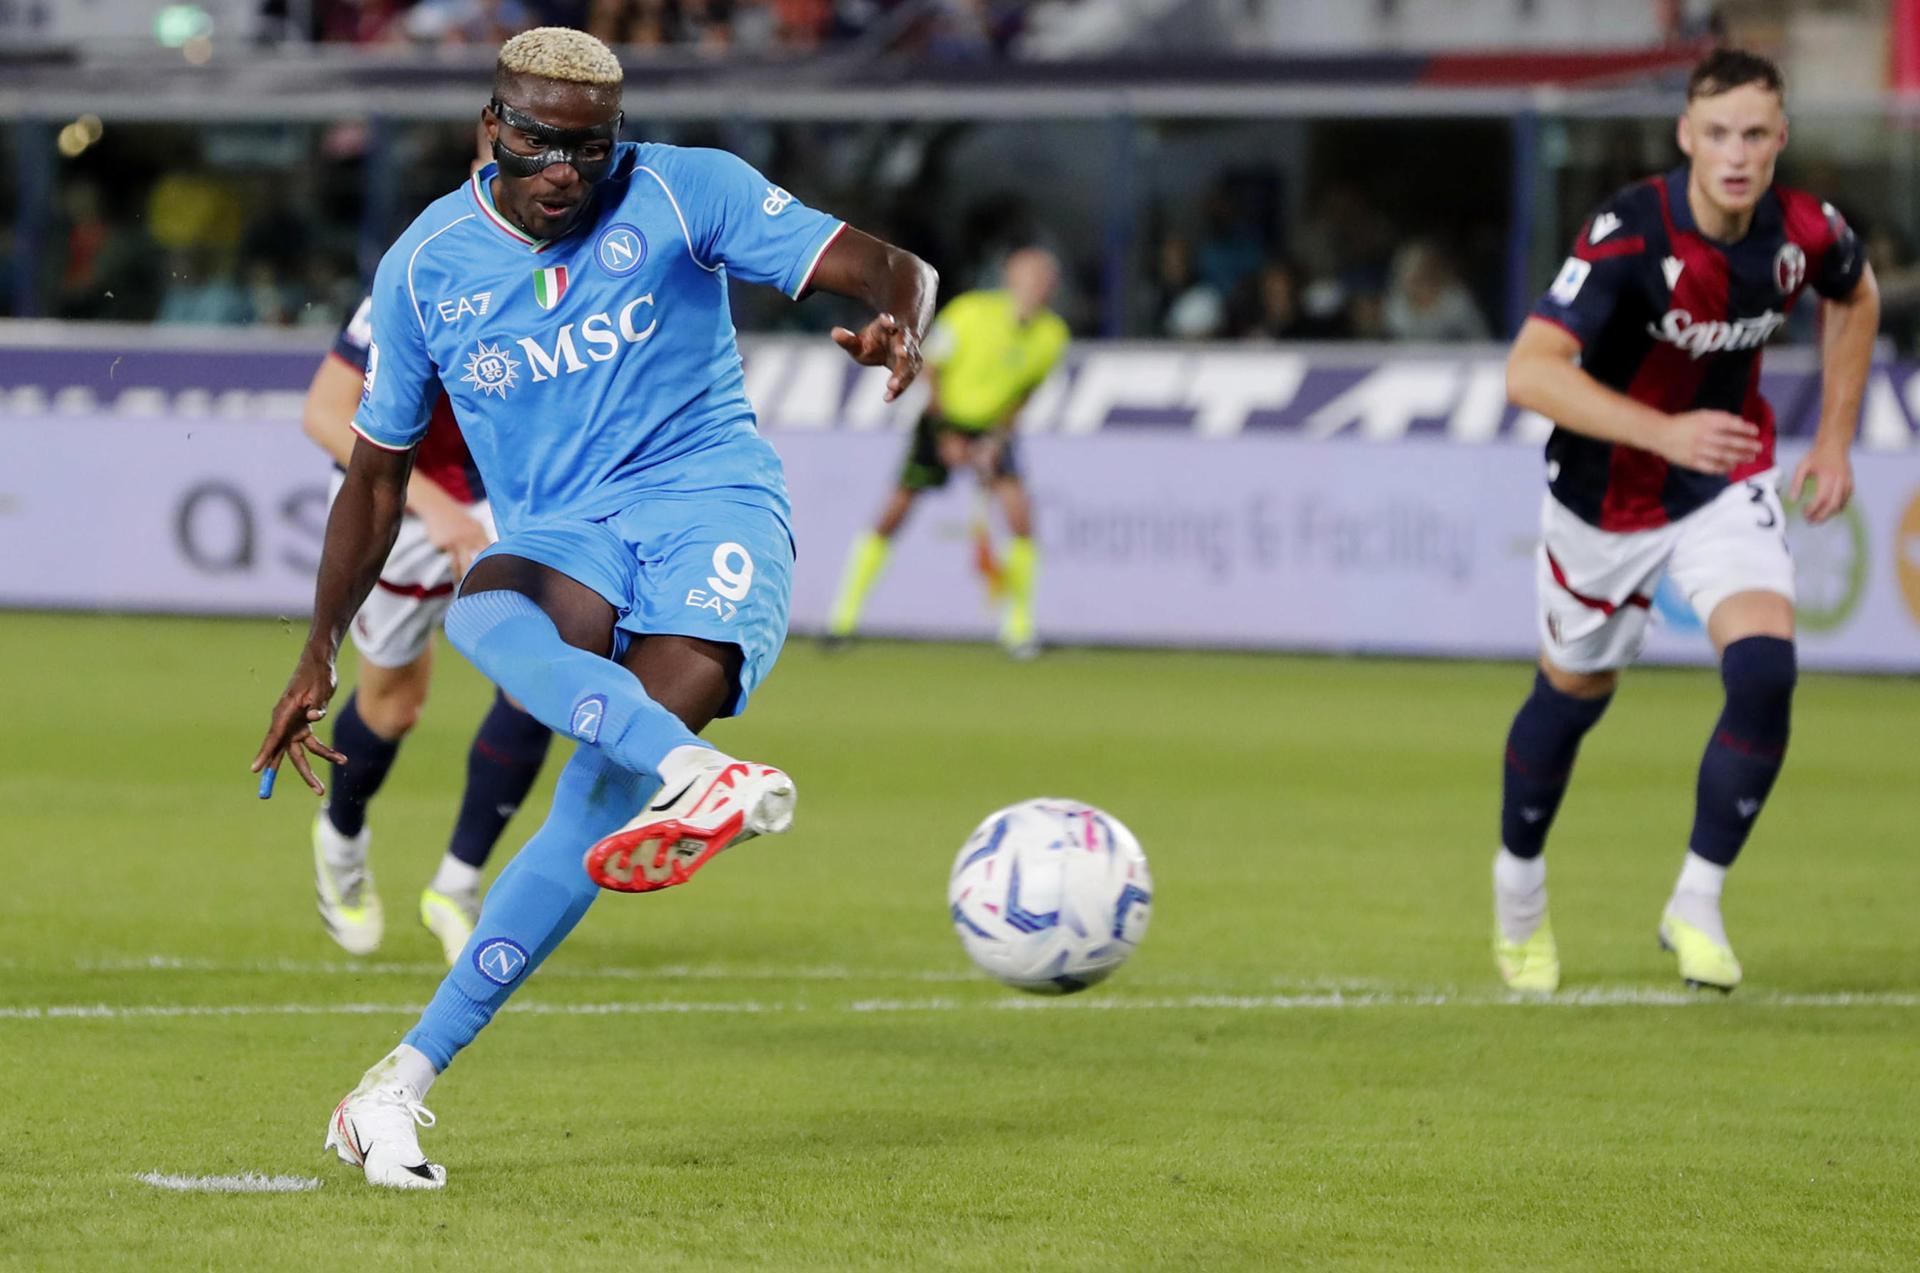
x,y
988,352
1645,353
641,584
447,524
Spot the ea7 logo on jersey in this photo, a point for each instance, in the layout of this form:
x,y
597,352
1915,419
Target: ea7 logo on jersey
x,y
601,333
491,369
1567,284
459,307
1789,268
1715,336
776,201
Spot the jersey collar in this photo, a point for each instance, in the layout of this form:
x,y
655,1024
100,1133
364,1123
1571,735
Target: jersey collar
x,y
481,187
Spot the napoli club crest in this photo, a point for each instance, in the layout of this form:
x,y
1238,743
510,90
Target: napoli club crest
x,y
621,250
1789,268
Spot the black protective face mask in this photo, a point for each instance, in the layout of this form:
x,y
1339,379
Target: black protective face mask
x,y
588,150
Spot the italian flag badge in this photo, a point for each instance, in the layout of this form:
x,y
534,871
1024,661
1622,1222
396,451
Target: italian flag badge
x,y
549,286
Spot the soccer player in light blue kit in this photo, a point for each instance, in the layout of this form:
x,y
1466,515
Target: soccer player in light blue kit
x,y
572,299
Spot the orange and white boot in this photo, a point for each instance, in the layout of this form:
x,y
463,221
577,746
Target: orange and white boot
x,y
707,802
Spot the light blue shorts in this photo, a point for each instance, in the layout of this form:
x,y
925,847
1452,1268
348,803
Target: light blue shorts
x,y
712,568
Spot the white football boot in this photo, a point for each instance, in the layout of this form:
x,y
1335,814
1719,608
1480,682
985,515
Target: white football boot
x,y
707,801
348,905
374,1129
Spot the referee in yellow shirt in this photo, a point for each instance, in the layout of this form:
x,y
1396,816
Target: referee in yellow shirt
x,y
987,353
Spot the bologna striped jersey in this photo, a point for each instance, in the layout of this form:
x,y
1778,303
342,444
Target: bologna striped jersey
x,y
442,455
1677,320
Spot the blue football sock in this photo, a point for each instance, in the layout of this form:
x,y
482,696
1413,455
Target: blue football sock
x,y
1541,748
1748,746
583,696
369,757
502,764
534,904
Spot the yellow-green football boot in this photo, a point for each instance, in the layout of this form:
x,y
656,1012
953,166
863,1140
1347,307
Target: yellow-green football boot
x,y
343,888
450,917
1705,964
1533,965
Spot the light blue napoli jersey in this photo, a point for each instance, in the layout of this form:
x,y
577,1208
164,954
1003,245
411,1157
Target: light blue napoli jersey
x,y
596,370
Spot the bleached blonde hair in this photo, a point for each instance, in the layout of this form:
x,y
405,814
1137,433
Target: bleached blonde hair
x,y
559,53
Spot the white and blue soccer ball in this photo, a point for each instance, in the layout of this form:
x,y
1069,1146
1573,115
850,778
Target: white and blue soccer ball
x,y
1050,895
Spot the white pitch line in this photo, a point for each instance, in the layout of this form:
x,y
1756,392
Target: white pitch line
x,y
350,968
1596,997
246,1182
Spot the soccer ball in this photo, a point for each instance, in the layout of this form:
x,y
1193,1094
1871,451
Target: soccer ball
x,y
1050,895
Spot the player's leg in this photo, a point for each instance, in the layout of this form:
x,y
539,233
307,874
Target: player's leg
x,y
1732,565
1022,562
924,470
708,629
1593,590
503,762
392,637
545,638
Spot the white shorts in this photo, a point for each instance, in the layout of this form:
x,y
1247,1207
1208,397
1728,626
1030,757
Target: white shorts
x,y
1596,587
411,598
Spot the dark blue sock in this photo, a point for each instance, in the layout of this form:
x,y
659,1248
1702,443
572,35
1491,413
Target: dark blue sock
x,y
1541,747
1748,746
502,764
369,757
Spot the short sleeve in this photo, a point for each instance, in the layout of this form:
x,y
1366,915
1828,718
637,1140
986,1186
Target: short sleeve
x,y
400,385
1595,277
1056,349
739,219
350,346
1838,272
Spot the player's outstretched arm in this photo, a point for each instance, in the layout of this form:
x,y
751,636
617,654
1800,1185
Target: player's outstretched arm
x,y
1846,356
1543,376
327,418
360,533
898,286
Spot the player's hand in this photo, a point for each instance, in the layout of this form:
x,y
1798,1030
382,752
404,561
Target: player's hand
x,y
884,342
291,733
1831,473
1709,441
457,533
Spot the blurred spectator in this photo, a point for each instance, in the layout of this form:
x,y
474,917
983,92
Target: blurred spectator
x,y
358,21
108,271
465,21
1185,307
1272,305
1427,300
201,289
707,24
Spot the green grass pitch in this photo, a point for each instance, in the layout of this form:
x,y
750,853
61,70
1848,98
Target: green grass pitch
x,y
790,1064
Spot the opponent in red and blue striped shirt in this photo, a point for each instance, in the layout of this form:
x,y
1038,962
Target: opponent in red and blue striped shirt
x,y
1645,353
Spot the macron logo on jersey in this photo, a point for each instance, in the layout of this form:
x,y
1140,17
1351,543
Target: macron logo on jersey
x,y
1603,225
1715,336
